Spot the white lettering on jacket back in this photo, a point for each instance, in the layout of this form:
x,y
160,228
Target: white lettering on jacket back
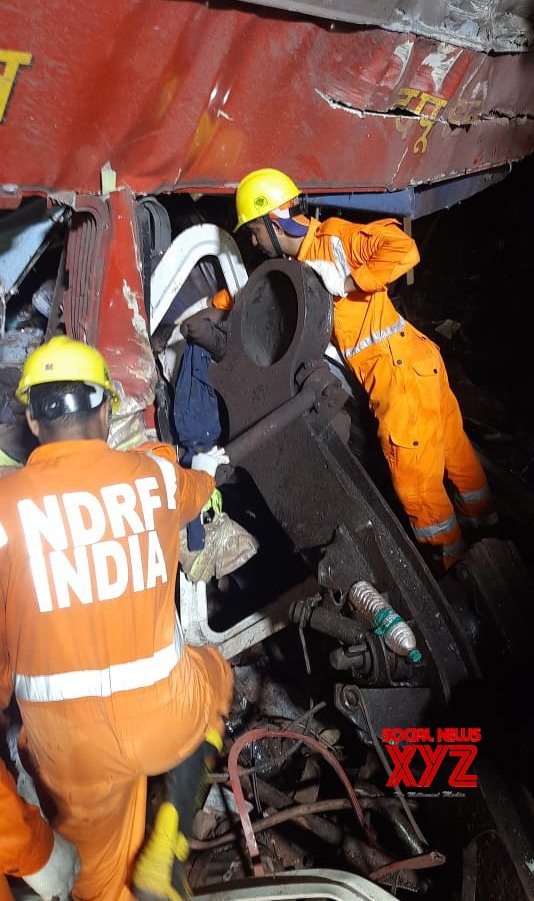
x,y
89,548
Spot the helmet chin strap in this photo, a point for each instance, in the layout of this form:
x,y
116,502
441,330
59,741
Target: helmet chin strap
x,y
272,235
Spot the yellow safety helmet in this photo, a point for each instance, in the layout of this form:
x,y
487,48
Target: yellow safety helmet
x,y
262,191
62,359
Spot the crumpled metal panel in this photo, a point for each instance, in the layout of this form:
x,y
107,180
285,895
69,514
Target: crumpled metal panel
x,y
121,327
104,303
181,96
503,26
23,236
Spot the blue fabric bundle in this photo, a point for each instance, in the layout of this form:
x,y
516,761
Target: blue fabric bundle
x,y
196,417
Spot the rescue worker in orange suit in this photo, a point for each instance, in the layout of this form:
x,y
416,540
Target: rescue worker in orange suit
x,y
419,421
90,642
30,849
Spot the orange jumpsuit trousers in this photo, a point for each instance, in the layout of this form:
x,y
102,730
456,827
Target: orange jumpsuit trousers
x,y
419,422
108,692
26,840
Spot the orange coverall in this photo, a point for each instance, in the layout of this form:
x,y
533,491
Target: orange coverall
x,y
26,840
419,421
91,644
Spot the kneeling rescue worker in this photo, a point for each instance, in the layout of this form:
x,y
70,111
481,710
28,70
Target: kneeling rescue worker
x,y
30,849
89,637
419,421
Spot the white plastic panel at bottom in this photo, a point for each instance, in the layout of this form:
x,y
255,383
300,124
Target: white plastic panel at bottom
x,y
320,885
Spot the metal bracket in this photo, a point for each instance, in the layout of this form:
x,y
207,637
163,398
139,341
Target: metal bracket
x,y
244,634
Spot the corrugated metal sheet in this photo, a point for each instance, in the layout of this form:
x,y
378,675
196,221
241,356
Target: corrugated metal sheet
x,y
503,26
186,97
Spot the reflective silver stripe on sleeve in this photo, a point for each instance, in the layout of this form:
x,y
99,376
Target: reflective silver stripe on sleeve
x,y
339,255
446,525
168,472
102,683
376,337
470,497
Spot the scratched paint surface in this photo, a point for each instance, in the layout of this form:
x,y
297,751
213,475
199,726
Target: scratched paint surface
x,y
182,96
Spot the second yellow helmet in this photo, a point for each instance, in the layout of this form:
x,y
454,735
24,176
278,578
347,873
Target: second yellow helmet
x,y
62,359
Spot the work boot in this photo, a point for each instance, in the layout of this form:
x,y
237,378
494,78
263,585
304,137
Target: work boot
x,y
159,873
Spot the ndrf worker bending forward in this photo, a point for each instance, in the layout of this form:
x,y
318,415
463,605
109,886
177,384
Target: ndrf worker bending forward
x,y
419,422
89,638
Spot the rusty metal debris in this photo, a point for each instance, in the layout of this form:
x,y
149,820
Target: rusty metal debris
x,y
421,862
256,735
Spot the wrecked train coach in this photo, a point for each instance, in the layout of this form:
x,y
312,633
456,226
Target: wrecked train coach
x,y
122,145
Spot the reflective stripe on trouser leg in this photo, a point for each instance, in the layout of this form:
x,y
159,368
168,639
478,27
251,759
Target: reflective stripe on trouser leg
x,y
445,538
417,476
476,507
472,497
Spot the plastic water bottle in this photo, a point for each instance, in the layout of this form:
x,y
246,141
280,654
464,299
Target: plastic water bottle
x,y
396,633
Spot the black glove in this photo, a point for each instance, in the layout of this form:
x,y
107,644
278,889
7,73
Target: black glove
x,y
203,331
